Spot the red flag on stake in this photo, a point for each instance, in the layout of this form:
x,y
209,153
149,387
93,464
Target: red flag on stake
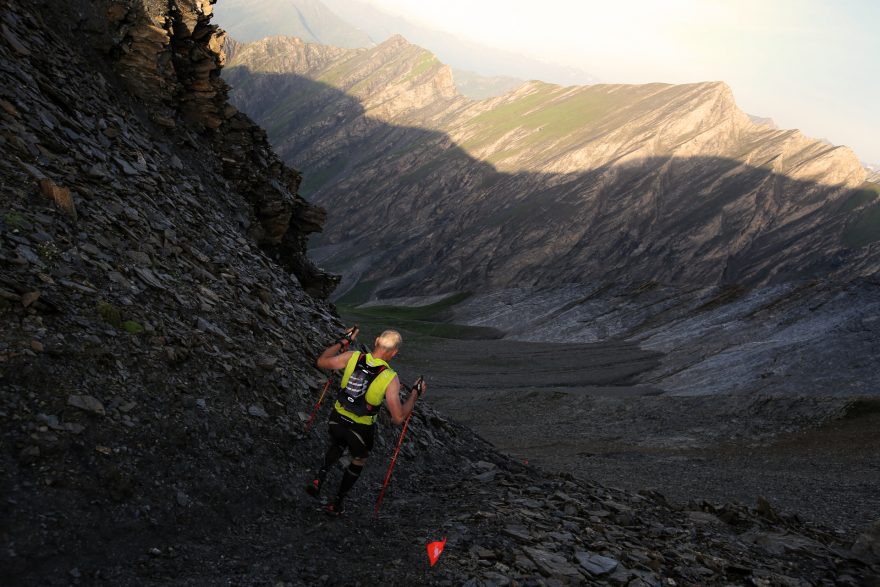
x,y
434,550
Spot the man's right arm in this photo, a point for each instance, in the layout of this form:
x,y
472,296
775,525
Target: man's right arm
x,y
329,359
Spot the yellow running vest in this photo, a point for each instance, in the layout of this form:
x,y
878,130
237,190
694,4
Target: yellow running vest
x,y
375,392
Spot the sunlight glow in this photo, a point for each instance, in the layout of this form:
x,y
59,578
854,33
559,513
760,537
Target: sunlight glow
x,y
808,63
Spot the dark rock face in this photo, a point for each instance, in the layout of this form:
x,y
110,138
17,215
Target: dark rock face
x,y
548,185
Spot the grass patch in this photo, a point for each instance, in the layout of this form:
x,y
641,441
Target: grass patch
x,y
431,311
14,220
865,195
421,322
132,327
359,294
113,316
334,75
48,252
388,68
865,229
544,110
426,62
110,314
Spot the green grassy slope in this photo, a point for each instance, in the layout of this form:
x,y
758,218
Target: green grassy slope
x,y
430,321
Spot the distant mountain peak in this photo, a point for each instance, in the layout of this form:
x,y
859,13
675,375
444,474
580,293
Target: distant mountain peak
x,y
395,40
310,20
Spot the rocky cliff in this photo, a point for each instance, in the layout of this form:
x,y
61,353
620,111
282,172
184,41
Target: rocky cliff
x,y
170,56
547,184
155,361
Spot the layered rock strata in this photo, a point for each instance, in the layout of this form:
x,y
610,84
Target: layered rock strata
x,y
548,184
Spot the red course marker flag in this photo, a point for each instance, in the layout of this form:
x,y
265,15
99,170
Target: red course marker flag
x,y
434,550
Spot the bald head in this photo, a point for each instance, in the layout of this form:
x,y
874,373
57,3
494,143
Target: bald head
x,y
389,341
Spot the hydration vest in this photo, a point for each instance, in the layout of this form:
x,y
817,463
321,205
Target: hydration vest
x,y
363,388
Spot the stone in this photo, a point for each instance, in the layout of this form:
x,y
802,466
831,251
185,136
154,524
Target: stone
x,y
780,543
51,421
486,476
9,108
119,279
867,545
148,277
551,563
596,564
621,576
28,299
183,499
14,41
257,411
124,165
98,171
28,254
206,326
29,454
765,510
493,579
86,403
140,258
518,532
267,363
525,563
60,195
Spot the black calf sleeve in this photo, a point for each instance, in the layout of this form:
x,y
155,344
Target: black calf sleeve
x,y
351,475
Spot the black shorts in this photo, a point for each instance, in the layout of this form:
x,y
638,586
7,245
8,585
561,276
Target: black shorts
x,y
358,438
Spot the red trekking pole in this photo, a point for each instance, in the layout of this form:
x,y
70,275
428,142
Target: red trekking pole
x,y
348,336
418,388
318,405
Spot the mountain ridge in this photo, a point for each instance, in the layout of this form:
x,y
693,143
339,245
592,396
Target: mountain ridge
x,y
387,123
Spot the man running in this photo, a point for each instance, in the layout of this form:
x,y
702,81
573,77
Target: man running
x,y
366,379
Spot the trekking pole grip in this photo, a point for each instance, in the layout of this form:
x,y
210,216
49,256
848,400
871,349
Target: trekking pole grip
x,y
348,337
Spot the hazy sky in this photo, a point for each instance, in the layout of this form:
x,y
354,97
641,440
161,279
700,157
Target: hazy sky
x,y
808,64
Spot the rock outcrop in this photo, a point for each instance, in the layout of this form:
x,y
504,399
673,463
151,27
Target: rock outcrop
x,y
547,184
170,56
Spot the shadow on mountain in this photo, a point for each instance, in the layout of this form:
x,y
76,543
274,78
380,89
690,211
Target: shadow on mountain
x,y
410,211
